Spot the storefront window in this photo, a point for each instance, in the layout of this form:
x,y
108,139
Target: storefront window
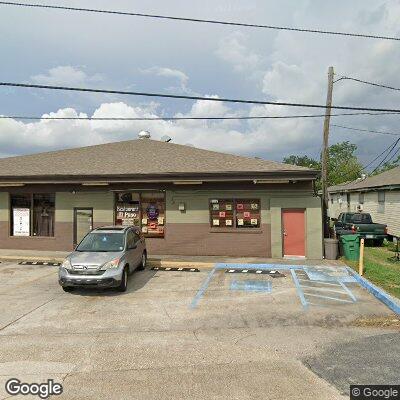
x,y
153,214
128,209
239,213
32,214
43,214
145,210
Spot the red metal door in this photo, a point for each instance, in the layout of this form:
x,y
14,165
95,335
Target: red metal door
x,y
293,224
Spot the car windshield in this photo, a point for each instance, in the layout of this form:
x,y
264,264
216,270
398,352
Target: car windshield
x,y
102,241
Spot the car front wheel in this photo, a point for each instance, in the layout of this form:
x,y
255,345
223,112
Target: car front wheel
x,y
124,281
143,262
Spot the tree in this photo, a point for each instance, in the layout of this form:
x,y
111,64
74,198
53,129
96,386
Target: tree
x,y
343,164
387,166
302,161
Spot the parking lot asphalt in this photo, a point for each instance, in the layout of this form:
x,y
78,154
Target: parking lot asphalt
x,y
243,338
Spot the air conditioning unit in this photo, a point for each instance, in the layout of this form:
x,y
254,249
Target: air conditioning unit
x,y
360,207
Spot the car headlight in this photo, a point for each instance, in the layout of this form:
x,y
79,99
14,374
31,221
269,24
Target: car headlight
x,y
66,264
111,264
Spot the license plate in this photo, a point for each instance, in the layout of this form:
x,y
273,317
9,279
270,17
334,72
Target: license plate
x,y
369,236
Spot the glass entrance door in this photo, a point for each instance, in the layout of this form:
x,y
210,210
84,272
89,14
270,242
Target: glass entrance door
x,y
83,223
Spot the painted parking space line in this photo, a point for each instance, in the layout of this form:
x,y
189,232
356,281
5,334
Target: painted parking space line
x,y
379,293
203,288
324,289
319,282
349,292
299,289
331,288
327,297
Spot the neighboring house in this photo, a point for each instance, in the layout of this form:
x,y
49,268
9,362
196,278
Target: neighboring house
x,y
378,195
186,201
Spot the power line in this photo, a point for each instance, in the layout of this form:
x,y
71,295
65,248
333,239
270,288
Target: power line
x,y
367,83
387,155
389,148
198,20
366,130
175,96
24,117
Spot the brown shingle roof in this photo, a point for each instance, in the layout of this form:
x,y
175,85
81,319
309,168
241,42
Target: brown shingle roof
x,y
387,178
137,157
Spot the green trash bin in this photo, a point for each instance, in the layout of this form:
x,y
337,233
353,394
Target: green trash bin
x,y
351,246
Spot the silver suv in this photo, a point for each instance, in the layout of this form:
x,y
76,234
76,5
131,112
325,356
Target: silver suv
x,y
104,258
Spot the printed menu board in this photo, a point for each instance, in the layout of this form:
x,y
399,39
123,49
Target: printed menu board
x,y
21,221
221,212
248,214
235,213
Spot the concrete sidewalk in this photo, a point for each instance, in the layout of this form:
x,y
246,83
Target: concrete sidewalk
x,y
164,260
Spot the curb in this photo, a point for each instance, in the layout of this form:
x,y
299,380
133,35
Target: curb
x,y
29,258
150,262
179,264
379,293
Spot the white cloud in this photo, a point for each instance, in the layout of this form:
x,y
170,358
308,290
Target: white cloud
x,y
290,81
229,136
235,50
285,66
65,75
165,72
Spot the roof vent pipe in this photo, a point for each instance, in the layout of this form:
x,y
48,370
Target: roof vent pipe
x,y
144,135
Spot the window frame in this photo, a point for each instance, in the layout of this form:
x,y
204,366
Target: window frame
x,y
140,213
31,212
235,227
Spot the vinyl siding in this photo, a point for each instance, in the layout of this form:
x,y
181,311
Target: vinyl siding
x,y
390,215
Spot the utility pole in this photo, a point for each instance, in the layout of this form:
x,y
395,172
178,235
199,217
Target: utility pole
x,y
324,157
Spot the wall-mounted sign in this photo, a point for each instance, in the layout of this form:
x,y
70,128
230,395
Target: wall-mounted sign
x,y
152,211
21,221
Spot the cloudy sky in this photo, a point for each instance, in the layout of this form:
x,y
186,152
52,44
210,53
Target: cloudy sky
x,y
129,53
